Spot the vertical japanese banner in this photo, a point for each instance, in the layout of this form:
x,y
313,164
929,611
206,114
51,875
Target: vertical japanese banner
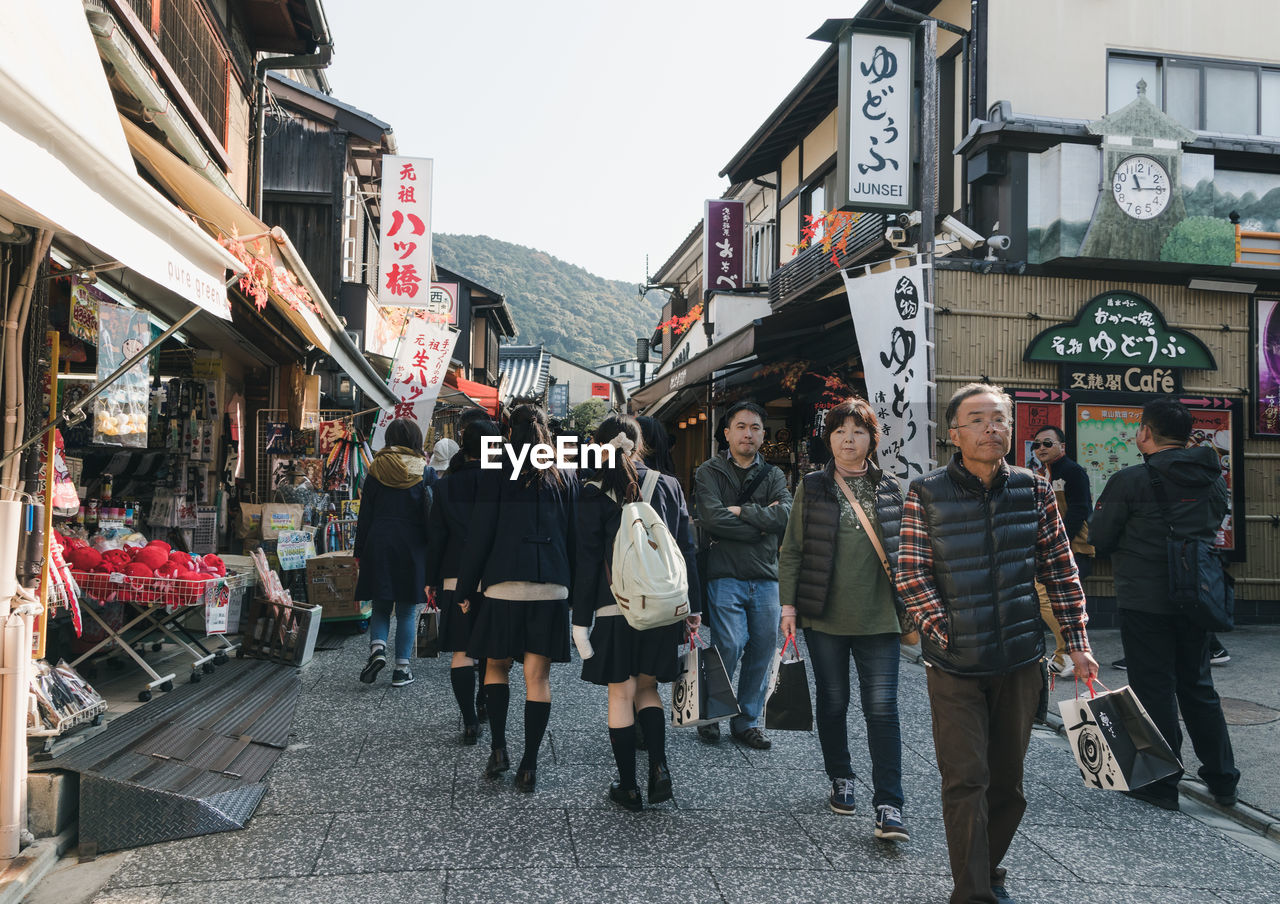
x,y
421,364
404,250
874,170
723,244
888,316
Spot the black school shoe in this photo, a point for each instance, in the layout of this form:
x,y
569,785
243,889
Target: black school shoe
x,y
377,659
628,799
498,763
470,734
659,783
526,779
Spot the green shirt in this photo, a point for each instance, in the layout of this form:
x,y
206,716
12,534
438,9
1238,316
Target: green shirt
x,y
860,600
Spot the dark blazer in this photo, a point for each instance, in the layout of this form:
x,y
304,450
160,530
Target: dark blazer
x,y
598,521
519,532
391,540
455,497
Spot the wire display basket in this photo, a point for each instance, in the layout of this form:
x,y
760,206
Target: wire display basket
x,y
169,593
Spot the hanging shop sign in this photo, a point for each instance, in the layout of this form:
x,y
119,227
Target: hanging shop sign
x,y
888,311
404,252
443,301
1166,380
421,364
723,244
558,400
1264,366
1120,329
874,169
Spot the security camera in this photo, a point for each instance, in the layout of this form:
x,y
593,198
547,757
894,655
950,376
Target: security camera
x,y
999,242
907,220
895,235
964,235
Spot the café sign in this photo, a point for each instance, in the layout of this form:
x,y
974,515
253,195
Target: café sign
x,y
1120,330
1164,380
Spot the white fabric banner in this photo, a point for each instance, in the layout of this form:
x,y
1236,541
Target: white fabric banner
x,y
888,317
404,249
421,364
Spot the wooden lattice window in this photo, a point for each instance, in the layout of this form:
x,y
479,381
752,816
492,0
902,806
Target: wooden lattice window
x,y
189,43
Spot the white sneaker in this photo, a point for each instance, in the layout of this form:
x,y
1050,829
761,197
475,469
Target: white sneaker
x,y
1066,670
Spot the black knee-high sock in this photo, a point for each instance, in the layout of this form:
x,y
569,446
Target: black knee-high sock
x,y
481,667
653,723
499,696
623,741
463,679
536,716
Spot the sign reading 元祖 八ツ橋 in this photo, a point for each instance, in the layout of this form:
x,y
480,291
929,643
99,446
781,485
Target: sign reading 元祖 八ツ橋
x,y
1121,329
404,249
888,312
874,164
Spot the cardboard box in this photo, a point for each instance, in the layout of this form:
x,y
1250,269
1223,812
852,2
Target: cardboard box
x,y
331,583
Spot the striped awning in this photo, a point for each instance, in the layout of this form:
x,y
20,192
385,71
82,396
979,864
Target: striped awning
x,y
526,368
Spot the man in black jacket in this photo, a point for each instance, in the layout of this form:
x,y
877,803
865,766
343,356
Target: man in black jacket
x,y
975,537
1070,484
1167,655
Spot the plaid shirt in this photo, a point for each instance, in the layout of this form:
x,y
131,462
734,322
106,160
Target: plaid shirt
x,y
1055,568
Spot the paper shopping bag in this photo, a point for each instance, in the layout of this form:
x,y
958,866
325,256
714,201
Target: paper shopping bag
x,y
428,641
702,693
1115,743
789,707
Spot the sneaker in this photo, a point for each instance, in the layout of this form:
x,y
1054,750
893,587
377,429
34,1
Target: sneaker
x,y
1065,670
709,733
1219,656
841,799
889,824
753,737
377,659
1119,664
401,676
1001,894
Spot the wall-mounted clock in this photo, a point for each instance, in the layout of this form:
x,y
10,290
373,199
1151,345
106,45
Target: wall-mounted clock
x,y
1141,187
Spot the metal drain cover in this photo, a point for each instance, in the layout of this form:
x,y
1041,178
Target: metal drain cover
x,y
1246,712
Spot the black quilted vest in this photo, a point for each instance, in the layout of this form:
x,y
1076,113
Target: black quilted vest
x,y
821,523
984,567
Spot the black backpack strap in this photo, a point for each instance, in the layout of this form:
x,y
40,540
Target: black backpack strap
x,y
1161,496
750,487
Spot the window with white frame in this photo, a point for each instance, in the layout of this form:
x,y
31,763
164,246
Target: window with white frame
x,y
1206,95
350,229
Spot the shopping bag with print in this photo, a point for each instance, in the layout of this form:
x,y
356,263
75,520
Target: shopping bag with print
x,y
789,707
1115,743
428,642
702,693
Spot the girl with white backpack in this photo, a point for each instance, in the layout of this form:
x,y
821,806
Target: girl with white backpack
x,y
628,661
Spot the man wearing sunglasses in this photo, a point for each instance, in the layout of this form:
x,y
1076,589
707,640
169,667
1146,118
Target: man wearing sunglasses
x,y
1075,502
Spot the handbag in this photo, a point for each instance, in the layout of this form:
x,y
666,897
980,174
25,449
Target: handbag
x,y
427,643
910,636
788,706
1116,745
702,693
1199,587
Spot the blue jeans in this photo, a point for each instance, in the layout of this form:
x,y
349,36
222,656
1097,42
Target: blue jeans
x,y
876,657
406,626
744,617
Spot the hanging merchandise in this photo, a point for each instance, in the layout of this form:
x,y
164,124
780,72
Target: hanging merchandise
x,y
120,413
66,502
337,441
83,320
279,439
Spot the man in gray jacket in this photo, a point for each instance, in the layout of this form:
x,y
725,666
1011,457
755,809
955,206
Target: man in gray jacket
x,y
743,506
1167,655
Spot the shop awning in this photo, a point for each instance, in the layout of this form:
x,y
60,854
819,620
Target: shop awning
x,y
227,218
66,165
731,348
485,397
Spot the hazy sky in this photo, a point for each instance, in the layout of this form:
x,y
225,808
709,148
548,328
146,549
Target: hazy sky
x,y
590,130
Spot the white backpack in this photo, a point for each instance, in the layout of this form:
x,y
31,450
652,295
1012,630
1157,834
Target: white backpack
x,y
648,578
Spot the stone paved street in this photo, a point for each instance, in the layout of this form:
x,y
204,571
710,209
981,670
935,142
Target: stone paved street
x,y
376,800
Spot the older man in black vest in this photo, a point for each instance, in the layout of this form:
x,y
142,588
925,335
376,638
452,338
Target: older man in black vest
x,y
976,536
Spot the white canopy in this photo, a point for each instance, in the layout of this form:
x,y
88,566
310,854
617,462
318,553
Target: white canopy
x,y
65,165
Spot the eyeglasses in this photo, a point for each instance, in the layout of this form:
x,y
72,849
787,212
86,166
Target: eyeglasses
x,y
998,424
1044,444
